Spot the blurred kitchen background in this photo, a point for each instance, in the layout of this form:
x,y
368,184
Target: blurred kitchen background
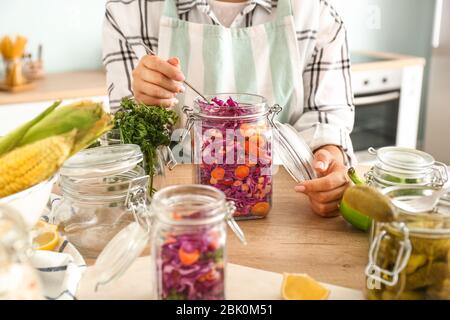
x,y
400,99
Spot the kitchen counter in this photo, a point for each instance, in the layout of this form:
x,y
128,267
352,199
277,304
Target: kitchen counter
x,y
293,239
68,85
61,86
385,60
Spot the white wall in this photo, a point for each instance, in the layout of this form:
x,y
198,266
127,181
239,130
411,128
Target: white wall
x,y
437,127
70,30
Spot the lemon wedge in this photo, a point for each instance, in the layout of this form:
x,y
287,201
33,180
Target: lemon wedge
x,y
302,287
47,236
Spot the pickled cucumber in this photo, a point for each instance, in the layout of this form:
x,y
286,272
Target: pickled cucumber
x,y
439,292
432,248
405,295
428,275
415,262
370,202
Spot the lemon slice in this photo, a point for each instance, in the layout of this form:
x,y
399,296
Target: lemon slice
x,y
302,287
47,237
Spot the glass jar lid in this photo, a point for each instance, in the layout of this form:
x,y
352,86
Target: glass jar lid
x,y
431,223
293,152
404,158
120,253
103,161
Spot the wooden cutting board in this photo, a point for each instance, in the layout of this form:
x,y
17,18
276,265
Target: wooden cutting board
x,y
243,283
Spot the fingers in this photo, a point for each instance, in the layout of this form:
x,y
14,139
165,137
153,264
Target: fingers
x,y
156,78
157,64
326,210
328,196
157,82
152,101
322,161
175,62
332,181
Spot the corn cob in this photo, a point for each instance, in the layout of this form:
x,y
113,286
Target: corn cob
x,y
10,141
87,117
31,164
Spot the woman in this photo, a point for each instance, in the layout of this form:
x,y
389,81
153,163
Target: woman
x,y
293,52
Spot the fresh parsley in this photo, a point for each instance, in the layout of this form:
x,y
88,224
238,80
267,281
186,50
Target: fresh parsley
x,y
148,127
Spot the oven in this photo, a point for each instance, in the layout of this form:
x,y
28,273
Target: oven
x,y
376,119
378,107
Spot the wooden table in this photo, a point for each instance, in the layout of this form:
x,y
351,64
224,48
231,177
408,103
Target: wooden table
x,y
293,239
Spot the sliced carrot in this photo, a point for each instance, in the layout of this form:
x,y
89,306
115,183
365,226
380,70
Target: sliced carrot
x,y
261,208
188,258
227,182
242,172
247,129
170,240
218,173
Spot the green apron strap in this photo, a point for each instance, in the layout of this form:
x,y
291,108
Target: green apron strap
x,y
284,9
170,9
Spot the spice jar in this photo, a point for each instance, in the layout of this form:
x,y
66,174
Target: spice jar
x,y
18,279
402,166
410,258
97,187
187,233
233,137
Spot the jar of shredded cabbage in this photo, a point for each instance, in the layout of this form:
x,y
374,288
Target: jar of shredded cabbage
x,y
409,258
189,242
186,229
232,149
397,166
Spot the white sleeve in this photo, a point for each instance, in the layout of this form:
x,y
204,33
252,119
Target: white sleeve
x,y
329,111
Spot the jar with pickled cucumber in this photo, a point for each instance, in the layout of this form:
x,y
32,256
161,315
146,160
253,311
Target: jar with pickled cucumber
x,y
396,166
409,258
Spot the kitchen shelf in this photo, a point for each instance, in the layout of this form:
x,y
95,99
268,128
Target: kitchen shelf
x,y
67,85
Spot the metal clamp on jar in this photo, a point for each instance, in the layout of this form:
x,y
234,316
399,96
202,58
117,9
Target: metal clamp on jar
x,y
409,258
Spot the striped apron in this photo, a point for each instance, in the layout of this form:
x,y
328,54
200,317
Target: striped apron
x,y
262,59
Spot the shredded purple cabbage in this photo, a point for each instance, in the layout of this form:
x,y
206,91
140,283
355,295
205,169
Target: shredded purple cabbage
x,y
203,277
252,193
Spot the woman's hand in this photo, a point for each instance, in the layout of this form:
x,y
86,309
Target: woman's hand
x,y
156,82
326,192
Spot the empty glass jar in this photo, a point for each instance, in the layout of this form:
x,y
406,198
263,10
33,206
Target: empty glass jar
x,y
98,186
402,166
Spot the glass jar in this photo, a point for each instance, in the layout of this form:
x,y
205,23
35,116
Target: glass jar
x,y
97,186
187,233
397,166
18,279
410,258
232,149
110,138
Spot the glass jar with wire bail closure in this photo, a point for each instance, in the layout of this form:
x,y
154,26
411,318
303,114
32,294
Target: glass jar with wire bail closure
x,y
409,257
186,230
97,186
233,140
396,166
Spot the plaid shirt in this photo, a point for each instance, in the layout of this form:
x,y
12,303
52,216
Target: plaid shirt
x,y
327,114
